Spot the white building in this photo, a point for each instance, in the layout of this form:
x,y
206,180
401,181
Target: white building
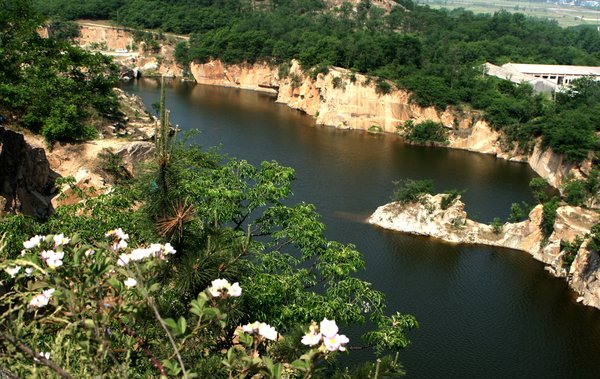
x,y
542,77
558,74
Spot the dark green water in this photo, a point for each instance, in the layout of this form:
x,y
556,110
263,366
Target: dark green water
x,y
484,312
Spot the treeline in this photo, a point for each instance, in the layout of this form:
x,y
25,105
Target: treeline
x,y
435,54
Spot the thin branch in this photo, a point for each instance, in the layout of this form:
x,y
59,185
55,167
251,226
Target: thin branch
x,y
36,356
142,344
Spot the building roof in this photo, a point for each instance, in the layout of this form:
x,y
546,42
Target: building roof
x,y
510,73
553,69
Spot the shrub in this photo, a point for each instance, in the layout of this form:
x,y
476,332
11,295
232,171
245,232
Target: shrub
x,y
570,251
411,191
382,86
375,129
426,132
518,213
337,82
497,225
539,188
450,198
549,216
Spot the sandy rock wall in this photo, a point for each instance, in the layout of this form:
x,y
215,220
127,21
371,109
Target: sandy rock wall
x,y
353,103
115,38
453,225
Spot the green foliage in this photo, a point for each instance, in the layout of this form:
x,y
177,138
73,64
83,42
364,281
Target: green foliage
x,y
539,188
63,30
382,86
497,225
337,82
570,250
450,198
182,54
375,129
411,191
594,243
426,132
51,87
583,192
518,213
575,192
549,216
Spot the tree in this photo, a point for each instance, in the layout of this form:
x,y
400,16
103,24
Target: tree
x,y
538,188
410,191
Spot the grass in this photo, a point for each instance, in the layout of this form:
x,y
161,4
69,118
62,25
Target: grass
x,y
564,15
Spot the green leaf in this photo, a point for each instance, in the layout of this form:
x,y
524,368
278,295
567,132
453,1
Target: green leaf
x,y
182,325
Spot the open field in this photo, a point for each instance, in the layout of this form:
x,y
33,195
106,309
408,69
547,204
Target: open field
x,y
565,15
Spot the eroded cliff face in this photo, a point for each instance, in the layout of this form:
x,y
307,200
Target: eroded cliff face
x,y
453,225
26,179
347,100
114,41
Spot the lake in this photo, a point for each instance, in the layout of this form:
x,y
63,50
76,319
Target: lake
x,y
484,312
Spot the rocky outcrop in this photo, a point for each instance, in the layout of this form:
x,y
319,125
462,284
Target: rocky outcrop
x,y
119,43
26,180
344,99
427,217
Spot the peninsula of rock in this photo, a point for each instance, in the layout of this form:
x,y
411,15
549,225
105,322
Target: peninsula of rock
x,y
428,218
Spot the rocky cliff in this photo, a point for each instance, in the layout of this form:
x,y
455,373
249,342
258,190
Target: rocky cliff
x,y
121,45
453,225
348,100
26,180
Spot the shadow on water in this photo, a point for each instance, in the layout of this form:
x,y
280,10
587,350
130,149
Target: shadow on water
x,y
484,312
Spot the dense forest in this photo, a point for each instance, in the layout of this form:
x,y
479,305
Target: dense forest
x,y
436,54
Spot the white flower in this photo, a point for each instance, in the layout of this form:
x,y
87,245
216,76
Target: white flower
x,y
328,328
60,239
123,260
251,328
235,290
130,282
218,286
121,234
53,259
169,249
138,254
117,232
89,252
28,271
311,339
267,331
41,299
33,242
13,271
336,342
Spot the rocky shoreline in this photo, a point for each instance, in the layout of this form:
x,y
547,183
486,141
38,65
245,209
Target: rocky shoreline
x,y
452,225
338,98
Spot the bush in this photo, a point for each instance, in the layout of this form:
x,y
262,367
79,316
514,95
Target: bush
x,y
382,86
450,198
337,82
518,213
570,251
549,216
375,129
427,132
411,191
539,188
497,225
